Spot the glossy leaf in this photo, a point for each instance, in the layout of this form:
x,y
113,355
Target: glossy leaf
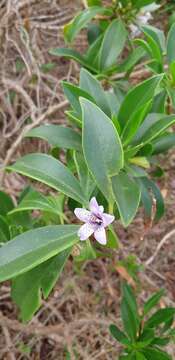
x,y
163,143
155,354
101,145
152,301
73,93
129,313
28,288
85,178
57,136
34,200
160,317
118,334
92,86
170,45
72,29
156,129
34,247
6,203
71,54
127,196
52,172
112,44
137,97
4,230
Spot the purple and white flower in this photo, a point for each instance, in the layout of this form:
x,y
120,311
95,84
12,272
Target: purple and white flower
x,y
95,222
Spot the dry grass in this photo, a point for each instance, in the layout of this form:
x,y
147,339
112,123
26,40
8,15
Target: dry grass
x,y
85,301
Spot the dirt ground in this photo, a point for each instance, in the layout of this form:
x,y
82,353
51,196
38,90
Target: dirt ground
x,y
73,323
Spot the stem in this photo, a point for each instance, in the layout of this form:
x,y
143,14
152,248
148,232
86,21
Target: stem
x,y
111,207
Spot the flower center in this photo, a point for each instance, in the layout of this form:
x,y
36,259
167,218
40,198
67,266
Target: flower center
x,y
96,220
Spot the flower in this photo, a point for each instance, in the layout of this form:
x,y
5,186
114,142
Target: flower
x,y
95,222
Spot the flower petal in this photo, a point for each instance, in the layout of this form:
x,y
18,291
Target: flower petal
x,y
107,219
93,206
100,236
85,231
82,214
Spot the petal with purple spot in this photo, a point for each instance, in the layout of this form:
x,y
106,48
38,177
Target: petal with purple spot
x,y
85,231
82,214
100,236
107,219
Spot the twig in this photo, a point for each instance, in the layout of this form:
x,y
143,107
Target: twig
x,y
160,245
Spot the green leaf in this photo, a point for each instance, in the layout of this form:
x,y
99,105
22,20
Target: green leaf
x,y
127,196
33,247
6,203
112,44
112,238
34,200
160,317
132,125
170,45
57,136
28,288
137,97
132,59
72,54
129,312
92,53
157,35
155,49
140,356
4,230
86,181
73,93
155,354
101,145
51,172
94,2
118,334
92,86
151,186
155,129
163,143
80,21
152,301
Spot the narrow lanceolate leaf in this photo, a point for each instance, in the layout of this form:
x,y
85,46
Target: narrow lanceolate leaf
x,y
73,93
127,196
101,145
161,316
6,203
85,178
4,230
71,54
112,44
155,354
156,129
152,301
170,45
137,97
81,20
28,288
51,172
57,136
92,86
34,247
118,334
34,200
163,143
